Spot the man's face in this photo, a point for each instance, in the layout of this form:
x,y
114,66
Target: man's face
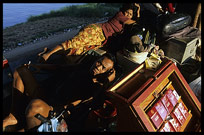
x,y
102,65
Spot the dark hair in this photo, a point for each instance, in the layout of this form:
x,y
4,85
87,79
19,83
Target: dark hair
x,y
110,56
127,6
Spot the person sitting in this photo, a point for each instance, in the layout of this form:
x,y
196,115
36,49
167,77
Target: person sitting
x,y
92,36
68,83
135,45
139,44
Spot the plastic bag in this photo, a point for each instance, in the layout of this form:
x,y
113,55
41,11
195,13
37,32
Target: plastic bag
x,y
54,126
136,57
153,62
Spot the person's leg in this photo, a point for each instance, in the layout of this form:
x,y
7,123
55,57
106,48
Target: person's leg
x,y
90,37
36,106
25,82
9,120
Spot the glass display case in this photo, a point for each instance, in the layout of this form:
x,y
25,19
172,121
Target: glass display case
x,y
155,101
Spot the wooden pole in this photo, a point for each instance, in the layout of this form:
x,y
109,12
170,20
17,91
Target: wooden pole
x,y
197,15
199,26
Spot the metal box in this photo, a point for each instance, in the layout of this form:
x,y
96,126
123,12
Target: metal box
x,y
180,49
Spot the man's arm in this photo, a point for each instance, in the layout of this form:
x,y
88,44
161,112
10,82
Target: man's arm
x,y
53,67
130,21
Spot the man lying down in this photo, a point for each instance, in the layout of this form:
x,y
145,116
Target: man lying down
x,y
69,85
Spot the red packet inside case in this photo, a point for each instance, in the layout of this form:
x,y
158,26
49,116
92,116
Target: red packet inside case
x,y
155,117
157,114
179,116
183,110
161,109
175,123
167,127
168,105
172,98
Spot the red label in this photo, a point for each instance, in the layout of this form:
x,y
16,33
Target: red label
x,y
157,114
155,117
179,116
171,97
168,105
157,120
167,128
151,112
161,109
183,110
176,94
175,123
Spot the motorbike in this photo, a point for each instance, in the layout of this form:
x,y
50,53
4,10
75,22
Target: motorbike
x,y
55,122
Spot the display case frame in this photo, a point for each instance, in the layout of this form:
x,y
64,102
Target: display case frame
x,y
134,93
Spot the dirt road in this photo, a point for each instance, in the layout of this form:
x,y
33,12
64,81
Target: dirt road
x,y
38,46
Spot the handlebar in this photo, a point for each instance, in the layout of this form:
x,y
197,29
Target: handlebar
x,y
67,109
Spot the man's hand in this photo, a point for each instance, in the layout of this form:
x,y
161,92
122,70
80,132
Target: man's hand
x,y
137,5
29,65
111,76
75,103
106,77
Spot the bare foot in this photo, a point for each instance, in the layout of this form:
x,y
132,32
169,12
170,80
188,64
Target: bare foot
x,y
21,130
9,120
43,56
44,51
